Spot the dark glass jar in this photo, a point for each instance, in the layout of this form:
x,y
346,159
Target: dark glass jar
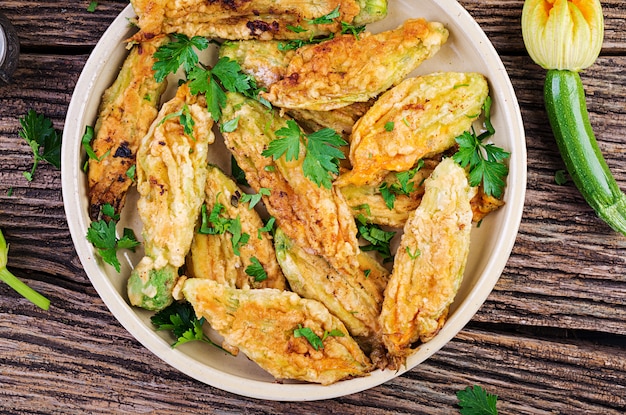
x,y
9,50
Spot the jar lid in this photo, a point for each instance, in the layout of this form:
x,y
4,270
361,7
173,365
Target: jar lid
x,y
3,45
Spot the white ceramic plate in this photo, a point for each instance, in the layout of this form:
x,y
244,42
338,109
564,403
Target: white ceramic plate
x,y
468,49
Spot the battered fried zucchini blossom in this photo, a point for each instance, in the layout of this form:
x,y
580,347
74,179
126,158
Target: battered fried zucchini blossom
x,y
429,264
419,118
128,108
252,19
288,336
316,218
217,256
347,69
171,176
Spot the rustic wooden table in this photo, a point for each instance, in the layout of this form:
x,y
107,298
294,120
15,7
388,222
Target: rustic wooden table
x,y
551,337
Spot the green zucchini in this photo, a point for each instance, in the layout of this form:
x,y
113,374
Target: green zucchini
x,y
567,111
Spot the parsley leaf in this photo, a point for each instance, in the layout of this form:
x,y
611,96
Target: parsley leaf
x,y
221,225
326,19
253,199
226,75
103,236
180,318
269,227
313,339
404,186
485,161
322,156
179,52
256,270
44,140
476,401
379,239
288,143
184,118
322,153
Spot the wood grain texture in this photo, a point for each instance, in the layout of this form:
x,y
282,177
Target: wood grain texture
x,y
551,337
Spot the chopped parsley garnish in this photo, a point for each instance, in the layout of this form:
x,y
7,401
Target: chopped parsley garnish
x,y
103,236
389,125
215,224
485,161
269,227
346,28
379,239
413,254
404,186
476,401
326,19
230,125
180,318
253,199
92,6
184,118
226,74
322,155
43,139
560,177
313,339
256,270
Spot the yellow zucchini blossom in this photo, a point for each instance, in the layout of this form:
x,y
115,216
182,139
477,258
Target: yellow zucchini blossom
x,y
563,34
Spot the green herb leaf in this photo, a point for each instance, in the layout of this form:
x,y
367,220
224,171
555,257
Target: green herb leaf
x,y
333,333
256,270
389,125
215,224
313,339
476,401
379,239
560,177
184,118
269,227
44,140
253,199
179,52
322,156
326,19
92,6
180,318
230,125
288,143
103,236
238,174
485,161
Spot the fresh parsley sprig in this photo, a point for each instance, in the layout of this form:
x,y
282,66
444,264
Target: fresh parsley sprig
x,y
176,53
477,401
225,75
485,161
256,270
103,235
43,139
322,155
180,318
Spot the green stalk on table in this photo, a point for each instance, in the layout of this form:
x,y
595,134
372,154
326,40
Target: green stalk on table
x,y
564,37
13,282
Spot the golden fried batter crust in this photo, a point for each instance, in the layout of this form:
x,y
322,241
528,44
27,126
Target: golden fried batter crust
x,y
429,264
239,19
261,324
128,108
427,114
348,69
212,256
